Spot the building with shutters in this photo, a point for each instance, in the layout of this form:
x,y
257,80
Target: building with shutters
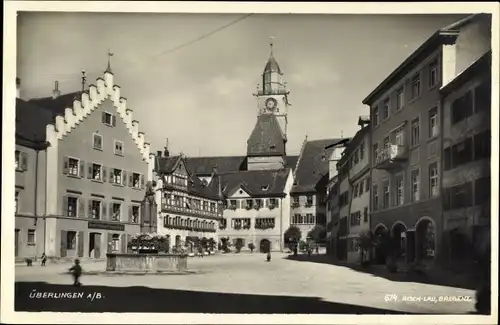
x,y
407,139
92,169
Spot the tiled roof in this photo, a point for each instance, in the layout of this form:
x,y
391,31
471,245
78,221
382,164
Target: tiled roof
x,y
195,186
313,165
31,121
260,183
57,105
291,161
266,138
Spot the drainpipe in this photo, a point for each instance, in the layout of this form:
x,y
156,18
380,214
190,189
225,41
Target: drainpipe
x,y
281,224
45,214
36,191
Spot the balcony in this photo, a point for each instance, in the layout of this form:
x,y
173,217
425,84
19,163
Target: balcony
x,y
189,212
391,157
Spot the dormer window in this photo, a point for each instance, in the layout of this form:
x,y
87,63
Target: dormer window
x,y
273,147
264,187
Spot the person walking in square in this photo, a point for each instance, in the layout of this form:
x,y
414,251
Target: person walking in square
x,y
44,259
76,271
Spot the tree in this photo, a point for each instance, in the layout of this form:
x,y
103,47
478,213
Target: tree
x,y
251,246
318,233
239,244
293,235
225,244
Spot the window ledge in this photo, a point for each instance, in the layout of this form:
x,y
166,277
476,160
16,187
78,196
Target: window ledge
x,y
117,185
119,154
433,138
20,170
99,149
31,244
97,181
74,176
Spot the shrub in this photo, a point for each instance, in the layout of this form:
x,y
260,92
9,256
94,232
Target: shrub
x,y
251,246
293,234
238,245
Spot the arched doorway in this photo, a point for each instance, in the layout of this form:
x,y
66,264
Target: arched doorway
x,y
399,237
425,239
381,236
265,246
177,241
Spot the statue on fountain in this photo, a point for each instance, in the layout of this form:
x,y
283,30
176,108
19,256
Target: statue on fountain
x,y
149,204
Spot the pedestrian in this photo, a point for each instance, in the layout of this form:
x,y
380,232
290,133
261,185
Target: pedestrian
x,y
44,259
76,271
269,256
317,250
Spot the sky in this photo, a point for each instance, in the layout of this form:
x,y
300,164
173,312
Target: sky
x,y
199,96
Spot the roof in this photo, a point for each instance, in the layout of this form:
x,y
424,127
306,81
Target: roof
x,y
259,183
31,122
267,138
57,105
272,65
446,35
353,144
195,186
313,165
481,65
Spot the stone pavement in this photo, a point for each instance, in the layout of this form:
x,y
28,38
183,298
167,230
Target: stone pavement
x,y
239,277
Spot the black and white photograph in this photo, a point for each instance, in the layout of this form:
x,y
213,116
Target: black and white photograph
x,y
169,163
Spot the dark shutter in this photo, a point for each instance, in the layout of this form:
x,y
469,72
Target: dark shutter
x,y
131,180
82,168
113,119
111,173
110,239
128,238
89,169
130,214
104,212
64,206
89,212
97,245
73,240
80,243
66,165
123,240
63,243
103,178
81,207
142,181
103,117
24,161
124,178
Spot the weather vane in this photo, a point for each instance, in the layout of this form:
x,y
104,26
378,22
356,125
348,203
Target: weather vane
x,y
271,43
110,54
84,80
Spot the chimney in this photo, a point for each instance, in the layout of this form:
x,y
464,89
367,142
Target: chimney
x,y
18,88
166,152
56,93
158,153
214,169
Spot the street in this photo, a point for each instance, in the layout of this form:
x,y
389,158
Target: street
x,y
233,283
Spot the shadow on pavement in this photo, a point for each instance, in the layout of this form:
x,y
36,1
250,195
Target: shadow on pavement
x,y
444,279
137,299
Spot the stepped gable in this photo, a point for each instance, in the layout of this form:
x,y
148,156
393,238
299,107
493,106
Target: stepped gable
x,y
70,109
266,139
31,121
259,183
313,165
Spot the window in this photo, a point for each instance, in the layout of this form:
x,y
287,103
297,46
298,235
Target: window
x,y
273,202
461,196
400,137
355,159
415,132
95,209
309,219
108,119
415,86
375,116
365,214
400,190
249,204
118,148
73,166
482,188
387,141
115,246
31,236
97,141
447,158
461,108
16,202
385,109
375,197
258,203
355,219
415,185
482,97
117,176
116,211
212,207
296,219
21,160
375,152
362,150
400,98
17,155
433,123
136,180
461,153
71,240
482,145
135,214
72,206
361,187
387,194
264,223
309,200
433,179
96,172
433,73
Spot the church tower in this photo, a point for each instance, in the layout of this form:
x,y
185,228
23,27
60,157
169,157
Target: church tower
x,y
266,147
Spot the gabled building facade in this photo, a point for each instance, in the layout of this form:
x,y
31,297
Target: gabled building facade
x,y
95,168
406,138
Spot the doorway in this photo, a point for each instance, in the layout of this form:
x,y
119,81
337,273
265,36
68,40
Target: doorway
x,y
94,245
16,243
265,246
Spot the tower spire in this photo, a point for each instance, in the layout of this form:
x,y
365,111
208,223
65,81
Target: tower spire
x,y
84,80
271,44
108,69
